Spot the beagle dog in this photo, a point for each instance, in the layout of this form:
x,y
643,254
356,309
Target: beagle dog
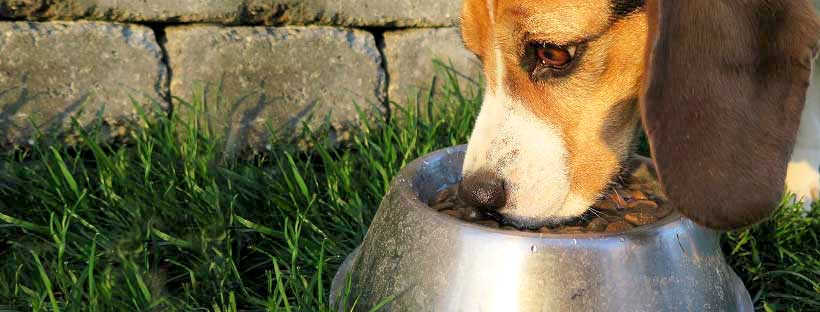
x,y
722,88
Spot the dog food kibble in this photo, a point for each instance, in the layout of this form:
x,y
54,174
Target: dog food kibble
x,y
597,225
637,195
643,205
618,226
635,202
639,218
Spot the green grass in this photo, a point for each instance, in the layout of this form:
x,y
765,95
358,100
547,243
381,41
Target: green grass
x,y
164,220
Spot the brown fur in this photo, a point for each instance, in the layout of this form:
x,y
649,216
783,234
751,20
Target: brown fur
x,y
596,108
476,31
724,91
722,102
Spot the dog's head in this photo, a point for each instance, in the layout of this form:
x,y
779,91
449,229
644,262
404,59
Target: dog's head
x,y
720,86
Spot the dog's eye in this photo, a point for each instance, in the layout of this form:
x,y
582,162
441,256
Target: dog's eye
x,y
547,61
554,56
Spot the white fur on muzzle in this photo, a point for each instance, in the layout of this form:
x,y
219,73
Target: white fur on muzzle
x,y
528,154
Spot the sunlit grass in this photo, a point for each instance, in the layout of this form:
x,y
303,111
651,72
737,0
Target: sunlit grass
x,y
164,221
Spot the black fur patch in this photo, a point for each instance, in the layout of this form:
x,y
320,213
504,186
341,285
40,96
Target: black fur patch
x,y
621,8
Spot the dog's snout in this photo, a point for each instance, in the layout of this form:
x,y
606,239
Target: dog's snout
x,y
484,190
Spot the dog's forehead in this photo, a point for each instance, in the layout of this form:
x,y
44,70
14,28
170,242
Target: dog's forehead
x,y
557,21
533,7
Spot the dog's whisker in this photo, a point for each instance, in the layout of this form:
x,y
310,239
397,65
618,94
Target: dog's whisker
x,y
595,212
621,198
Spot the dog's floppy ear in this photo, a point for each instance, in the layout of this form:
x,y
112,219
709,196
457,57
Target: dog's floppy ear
x,y
724,87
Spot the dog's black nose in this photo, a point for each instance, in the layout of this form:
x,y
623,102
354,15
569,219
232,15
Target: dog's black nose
x,y
484,190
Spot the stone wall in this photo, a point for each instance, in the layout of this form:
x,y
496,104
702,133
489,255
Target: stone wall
x,y
259,63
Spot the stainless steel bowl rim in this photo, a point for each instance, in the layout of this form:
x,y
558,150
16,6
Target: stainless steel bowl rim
x,y
440,263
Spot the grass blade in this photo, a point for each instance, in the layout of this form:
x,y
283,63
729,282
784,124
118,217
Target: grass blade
x,y
69,178
47,282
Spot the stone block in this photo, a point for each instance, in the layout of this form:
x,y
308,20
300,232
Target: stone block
x,y
256,78
411,66
50,72
376,13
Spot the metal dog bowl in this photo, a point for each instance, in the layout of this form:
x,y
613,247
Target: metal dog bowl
x,y
417,259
